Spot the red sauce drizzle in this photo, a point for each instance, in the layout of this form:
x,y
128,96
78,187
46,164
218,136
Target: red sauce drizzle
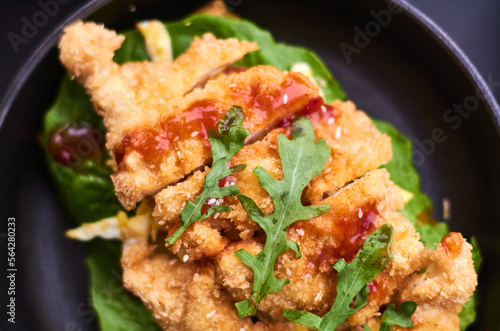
x,y
193,122
70,144
354,232
378,290
316,110
204,114
227,181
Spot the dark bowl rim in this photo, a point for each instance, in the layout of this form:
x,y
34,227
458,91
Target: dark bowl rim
x,y
34,58
442,38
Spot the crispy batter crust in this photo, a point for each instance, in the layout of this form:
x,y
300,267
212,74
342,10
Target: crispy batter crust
x,y
258,90
183,296
360,148
197,289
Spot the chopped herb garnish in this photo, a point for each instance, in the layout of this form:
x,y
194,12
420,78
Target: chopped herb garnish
x,y
230,141
302,159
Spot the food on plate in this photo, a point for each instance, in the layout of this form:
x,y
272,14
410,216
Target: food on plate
x,y
265,201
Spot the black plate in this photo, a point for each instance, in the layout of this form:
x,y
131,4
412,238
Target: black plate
x,y
408,73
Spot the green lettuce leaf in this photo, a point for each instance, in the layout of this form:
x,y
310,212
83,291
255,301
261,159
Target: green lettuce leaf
x,y
352,282
301,159
230,140
86,189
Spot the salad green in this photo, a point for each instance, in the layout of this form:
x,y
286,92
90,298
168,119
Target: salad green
x,y
87,190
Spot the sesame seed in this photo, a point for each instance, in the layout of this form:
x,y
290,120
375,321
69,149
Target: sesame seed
x,y
185,258
331,120
242,329
323,108
211,201
300,232
338,131
285,99
187,24
194,134
232,183
360,213
216,216
288,272
232,85
172,262
211,314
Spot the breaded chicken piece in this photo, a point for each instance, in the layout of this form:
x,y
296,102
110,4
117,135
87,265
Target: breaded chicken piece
x,y
360,148
183,296
445,286
356,211
134,94
357,147
153,158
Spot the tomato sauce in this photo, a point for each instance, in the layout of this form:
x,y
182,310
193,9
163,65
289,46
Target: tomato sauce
x,y
316,110
194,123
352,231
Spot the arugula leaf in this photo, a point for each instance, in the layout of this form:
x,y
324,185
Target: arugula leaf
x,y
401,317
229,142
301,160
352,282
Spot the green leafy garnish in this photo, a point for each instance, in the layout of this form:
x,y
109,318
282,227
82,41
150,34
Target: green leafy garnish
x,y
301,160
401,317
230,140
352,282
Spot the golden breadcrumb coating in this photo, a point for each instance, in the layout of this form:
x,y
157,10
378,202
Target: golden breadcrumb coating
x,y
445,286
357,147
183,296
337,234
360,148
134,94
175,147
157,115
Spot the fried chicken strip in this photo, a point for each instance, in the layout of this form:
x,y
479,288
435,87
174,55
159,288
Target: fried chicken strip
x,y
445,286
153,158
360,148
356,211
134,94
183,296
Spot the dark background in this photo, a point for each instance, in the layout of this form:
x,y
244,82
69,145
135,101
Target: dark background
x,y
473,24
